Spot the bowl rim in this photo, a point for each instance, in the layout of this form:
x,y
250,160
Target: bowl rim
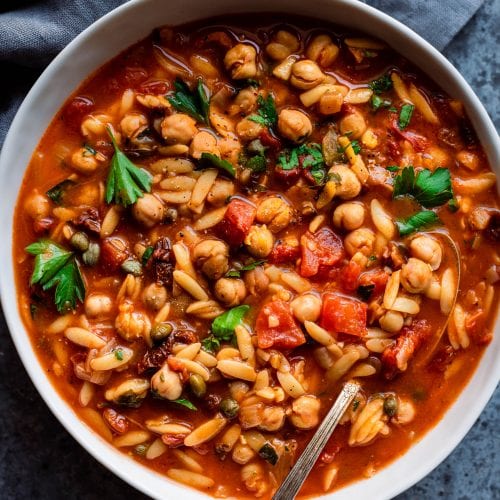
x,y
132,472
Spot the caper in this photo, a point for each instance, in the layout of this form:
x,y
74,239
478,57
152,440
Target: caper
x,y
198,385
141,449
171,215
80,241
229,407
132,266
160,331
91,256
390,405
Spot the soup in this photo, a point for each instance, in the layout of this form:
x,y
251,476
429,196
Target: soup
x,y
230,220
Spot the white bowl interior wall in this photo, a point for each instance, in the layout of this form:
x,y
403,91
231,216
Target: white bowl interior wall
x,y
101,42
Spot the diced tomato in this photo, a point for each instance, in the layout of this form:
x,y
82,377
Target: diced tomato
x,y
276,327
443,358
343,315
475,326
236,222
75,110
349,276
320,251
41,226
377,277
283,253
395,358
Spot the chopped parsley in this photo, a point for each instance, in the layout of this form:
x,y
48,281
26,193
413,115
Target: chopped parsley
x,y
147,254
405,115
266,112
57,267
184,402
118,354
126,183
382,84
57,193
453,205
430,189
223,327
417,221
356,147
209,159
194,103
236,273
308,156
377,102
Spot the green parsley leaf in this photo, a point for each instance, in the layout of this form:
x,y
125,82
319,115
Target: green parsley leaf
x,y
289,159
210,344
266,112
57,267
392,168
118,354
417,221
309,156
194,103
377,102
382,84
57,193
236,273
453,205
214,160
126,183
223,326
430,189
147,254
356,147
184,402
257,163
405,115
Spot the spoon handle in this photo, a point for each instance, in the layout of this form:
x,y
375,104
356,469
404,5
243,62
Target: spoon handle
x,y
299,472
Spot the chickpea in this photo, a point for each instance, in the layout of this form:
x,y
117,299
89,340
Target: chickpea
x,y
148,210
94,126
391,321
323,50
353,125
306,74
306,307
349,216
37,206
360,240
241,61
294,125
132,124
212,257
248,130
427,249
245,102
255,479
406,412
259,241
131,325
256,281
416,275
98,305
178,128
273,419
275,212
348,185
230,291
203,142
283,45
166,383
85,161
305,412
220,191
155,296
242,453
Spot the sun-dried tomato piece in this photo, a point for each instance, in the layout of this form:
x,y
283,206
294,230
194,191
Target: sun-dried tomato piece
x,y
114,252
90,220
75,110
41,226
162,262
116,421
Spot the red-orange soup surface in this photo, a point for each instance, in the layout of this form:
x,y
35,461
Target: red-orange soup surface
x,y
271,221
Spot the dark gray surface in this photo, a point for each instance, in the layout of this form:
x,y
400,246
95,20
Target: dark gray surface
x,y
40,460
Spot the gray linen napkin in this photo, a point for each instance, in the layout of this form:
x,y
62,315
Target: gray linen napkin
x,y
32,32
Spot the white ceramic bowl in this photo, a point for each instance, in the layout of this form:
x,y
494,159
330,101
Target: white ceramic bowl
x,y
102,41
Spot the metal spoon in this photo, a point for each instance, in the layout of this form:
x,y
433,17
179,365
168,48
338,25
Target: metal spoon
x,y
299,472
